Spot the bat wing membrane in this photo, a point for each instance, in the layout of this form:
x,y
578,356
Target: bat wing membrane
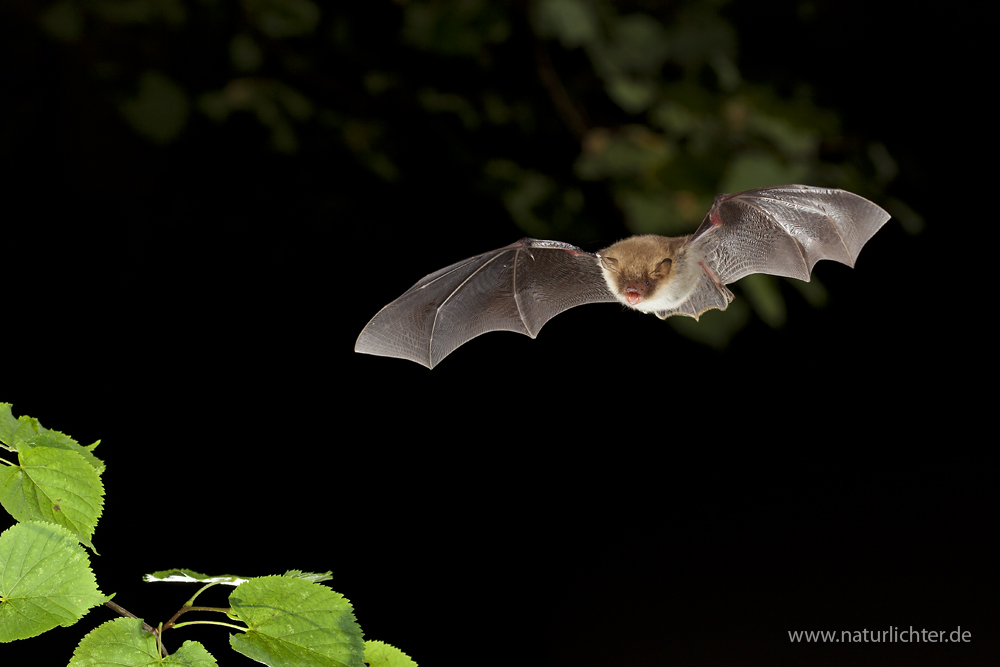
x,y
706,295
518,288
785,230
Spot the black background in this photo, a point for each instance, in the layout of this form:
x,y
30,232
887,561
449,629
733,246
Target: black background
x,y
610,493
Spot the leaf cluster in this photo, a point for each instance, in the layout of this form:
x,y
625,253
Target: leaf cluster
x,y
54,494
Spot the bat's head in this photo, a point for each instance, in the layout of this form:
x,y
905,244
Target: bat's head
x,y
638,268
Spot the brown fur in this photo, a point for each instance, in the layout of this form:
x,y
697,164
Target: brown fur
x,y
640,259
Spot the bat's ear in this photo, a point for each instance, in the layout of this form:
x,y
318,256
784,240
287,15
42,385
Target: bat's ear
x,y
662,269
610,263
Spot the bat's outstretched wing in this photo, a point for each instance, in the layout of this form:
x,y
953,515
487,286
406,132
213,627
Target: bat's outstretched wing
x,y
782,231
518,288
785,230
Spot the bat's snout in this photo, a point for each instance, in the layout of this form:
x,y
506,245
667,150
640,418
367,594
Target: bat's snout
x,y
636,291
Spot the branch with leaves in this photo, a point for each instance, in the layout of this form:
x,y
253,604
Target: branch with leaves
x,y
55,495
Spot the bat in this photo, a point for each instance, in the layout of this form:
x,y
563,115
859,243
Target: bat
x,y
781,230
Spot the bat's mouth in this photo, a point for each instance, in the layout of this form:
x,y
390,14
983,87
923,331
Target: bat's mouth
x,y
632,296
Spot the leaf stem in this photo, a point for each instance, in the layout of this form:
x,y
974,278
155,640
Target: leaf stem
x,y
186,608
125,612
241,628
145,626
190,602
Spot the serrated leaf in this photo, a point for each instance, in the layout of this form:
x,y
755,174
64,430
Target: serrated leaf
x,y
123,643
191,653
16,432
45,580
183,575
380,654
55,485
58,440
179,575
27,431
292,622
309,576
8,424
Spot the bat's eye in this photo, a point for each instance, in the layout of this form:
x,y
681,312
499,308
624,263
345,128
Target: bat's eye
x,y
647,283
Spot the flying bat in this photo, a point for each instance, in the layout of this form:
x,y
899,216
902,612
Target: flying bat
x,y
781,230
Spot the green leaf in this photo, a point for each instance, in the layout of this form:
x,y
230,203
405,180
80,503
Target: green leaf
x,y
56,485
181,575
309,576
45,580
9,424
190,576
56,440
292,622
123,643
380,654
24,430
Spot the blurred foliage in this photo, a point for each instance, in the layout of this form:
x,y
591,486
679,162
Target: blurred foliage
x,y
587,119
